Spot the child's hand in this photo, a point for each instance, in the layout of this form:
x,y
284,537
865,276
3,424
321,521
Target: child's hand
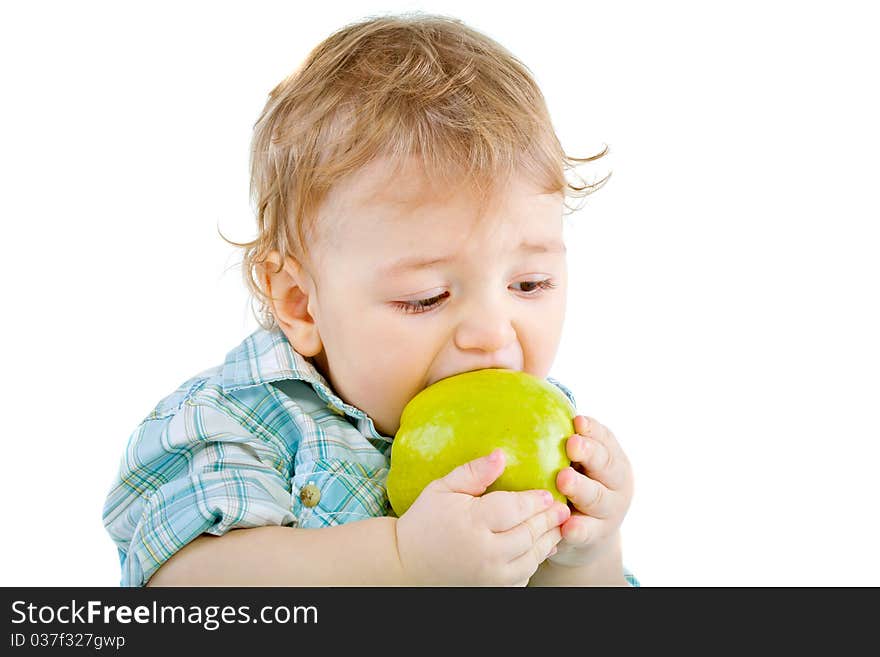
x,y
599,486
449,536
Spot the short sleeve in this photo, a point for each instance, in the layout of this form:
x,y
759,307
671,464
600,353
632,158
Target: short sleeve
x,y
191,472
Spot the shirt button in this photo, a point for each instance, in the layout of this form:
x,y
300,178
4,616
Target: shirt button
x,y
310,495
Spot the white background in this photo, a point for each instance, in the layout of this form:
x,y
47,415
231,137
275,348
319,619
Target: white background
x,y
723,313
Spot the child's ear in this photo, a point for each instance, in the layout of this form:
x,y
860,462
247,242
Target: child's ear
x,y
291,292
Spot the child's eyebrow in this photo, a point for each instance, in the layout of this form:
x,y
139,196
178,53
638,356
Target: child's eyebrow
x,y
419,262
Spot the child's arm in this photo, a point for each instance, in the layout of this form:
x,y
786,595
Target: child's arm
x,y
451,535
362,553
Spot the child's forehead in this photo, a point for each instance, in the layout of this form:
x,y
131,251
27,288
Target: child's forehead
x,y
391,191
403,186
384,208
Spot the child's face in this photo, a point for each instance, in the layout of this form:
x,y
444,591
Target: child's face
x,y
490,311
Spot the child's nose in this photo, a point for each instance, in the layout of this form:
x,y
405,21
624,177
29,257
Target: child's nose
x,y
489,329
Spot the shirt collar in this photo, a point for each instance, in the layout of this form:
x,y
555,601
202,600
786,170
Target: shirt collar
x,y
266,356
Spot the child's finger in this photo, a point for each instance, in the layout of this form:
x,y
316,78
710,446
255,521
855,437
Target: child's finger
x,y
502,510
526,563
592,428
525,536
580,530
588,496
599,454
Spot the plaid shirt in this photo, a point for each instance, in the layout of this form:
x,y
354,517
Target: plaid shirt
x,y
234,446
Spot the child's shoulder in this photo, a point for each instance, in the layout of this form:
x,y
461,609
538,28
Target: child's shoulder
x,y
261,358
172,402
256,378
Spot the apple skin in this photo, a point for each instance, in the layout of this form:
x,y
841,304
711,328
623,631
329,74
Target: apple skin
x,y
466,416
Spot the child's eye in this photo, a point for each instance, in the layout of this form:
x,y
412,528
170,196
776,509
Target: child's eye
x,y
546,284
419,306
423,305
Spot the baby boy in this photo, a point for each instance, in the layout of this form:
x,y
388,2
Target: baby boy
x,y
409,191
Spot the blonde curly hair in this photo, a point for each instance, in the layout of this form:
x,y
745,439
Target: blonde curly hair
x,y
399,87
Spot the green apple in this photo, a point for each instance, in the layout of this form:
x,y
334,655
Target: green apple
x,y
466,416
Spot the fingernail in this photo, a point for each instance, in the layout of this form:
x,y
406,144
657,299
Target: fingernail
x,y
495,456
548,497
562,513
562,483
553,551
